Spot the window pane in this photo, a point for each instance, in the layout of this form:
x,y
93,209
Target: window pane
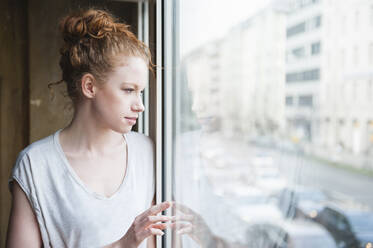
x,y
273,133
315,48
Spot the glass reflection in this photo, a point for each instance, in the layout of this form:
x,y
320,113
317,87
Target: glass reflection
x,y
273,145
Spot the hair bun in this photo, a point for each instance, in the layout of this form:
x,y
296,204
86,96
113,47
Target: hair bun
x,y
94,43
90,23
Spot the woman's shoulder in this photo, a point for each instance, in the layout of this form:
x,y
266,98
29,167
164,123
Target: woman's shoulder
x,y
142,145
139,138
39,147
33,159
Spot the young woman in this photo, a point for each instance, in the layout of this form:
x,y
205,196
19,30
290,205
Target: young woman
x,y
91,184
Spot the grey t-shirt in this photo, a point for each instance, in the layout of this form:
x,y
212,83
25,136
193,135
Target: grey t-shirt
x,y
69,214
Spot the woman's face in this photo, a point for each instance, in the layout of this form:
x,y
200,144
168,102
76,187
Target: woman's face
x,y
118,101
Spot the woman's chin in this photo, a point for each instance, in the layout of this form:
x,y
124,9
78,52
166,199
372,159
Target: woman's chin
x,y
123,129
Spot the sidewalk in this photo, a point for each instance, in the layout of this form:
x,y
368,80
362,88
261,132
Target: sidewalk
x,y
360,163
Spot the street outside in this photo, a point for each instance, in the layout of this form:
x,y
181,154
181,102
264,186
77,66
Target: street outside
x,y
295,168
243,175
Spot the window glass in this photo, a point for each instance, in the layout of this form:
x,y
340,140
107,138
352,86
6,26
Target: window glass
x,y
315,48
289,100
266,136
305,100
299,52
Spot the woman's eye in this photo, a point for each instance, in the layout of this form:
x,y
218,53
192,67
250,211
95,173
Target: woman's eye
x,y
128,90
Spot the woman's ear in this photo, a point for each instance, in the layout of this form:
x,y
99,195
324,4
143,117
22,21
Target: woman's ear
x,y
88,84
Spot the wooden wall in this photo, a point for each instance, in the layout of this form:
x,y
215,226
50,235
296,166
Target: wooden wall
x,y
29,44
14,82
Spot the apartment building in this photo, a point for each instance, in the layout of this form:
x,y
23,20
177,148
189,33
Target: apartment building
x,y
305,58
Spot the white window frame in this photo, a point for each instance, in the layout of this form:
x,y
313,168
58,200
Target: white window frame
x,y
160,128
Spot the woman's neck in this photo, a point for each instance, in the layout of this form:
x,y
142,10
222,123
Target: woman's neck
x,y
85,134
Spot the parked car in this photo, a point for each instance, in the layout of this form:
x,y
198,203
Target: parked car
x,y
350,227
289,234
301,202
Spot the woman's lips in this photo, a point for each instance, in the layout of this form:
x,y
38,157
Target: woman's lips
x,y
131,120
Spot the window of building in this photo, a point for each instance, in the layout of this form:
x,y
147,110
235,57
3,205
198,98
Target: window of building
x,y
302,27
300,4
317,21
298,52
289,100
309,75
315,48
297,29
305,101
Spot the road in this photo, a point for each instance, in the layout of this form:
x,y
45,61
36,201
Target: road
x,y
338,182
226,162
299,169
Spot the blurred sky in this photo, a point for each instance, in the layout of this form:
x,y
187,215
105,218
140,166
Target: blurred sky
x,y
205,20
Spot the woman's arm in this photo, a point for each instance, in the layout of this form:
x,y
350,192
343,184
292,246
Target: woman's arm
x,y
23,228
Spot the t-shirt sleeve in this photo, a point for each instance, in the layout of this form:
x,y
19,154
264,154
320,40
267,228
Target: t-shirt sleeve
x,y
22,173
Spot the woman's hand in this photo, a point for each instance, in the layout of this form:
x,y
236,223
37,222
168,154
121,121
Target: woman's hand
x,y
190,223
145,225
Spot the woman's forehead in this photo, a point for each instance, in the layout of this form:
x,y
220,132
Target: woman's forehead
x,y
133,71
131,61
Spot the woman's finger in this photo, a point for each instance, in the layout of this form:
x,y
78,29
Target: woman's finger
x,y
153,231
182,217
148,220
160,226
179,225
156,209
143,234
185,230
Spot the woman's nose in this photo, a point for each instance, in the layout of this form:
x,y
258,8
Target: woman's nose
x,y
138,106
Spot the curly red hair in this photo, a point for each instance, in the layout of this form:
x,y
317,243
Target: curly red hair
x,y
93,41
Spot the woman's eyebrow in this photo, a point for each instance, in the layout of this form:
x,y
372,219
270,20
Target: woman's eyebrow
x,y
136,85
133,84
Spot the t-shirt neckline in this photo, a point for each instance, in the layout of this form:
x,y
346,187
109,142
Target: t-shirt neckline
x,y
77,179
